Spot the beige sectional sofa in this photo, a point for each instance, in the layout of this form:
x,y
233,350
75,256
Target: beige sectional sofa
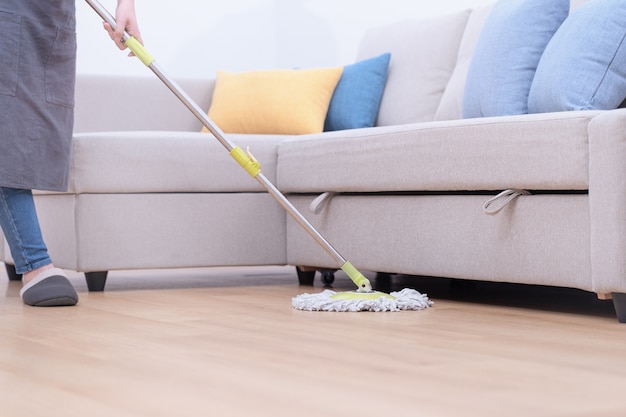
x,y
418,194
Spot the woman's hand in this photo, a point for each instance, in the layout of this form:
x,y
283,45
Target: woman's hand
x,y
126,20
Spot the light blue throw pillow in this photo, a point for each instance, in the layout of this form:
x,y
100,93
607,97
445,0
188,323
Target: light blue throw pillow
x,y
507,53
358,94
584,65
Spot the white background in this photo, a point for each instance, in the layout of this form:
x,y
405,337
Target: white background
x,y
194,38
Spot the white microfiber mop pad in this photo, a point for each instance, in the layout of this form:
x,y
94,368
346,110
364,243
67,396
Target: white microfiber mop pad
x,y
407,299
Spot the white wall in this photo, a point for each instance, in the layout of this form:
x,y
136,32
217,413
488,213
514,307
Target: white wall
x,y
194,38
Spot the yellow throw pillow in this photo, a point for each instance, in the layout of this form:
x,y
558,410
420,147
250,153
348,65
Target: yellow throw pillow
x,y
288,102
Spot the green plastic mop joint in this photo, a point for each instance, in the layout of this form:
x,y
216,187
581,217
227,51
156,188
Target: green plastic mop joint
x,y
358,295
358,278
246,161
139,51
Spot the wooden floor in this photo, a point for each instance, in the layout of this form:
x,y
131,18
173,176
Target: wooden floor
x,y
226,342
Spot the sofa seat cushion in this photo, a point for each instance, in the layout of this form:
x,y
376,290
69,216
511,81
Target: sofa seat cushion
x,y
539,151
153,162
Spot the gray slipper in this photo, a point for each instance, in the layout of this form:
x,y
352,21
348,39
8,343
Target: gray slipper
x,y
50,288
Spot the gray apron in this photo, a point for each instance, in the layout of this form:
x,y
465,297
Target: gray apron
x,y
37,74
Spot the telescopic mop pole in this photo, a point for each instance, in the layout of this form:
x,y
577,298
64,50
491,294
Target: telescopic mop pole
x,y
246,160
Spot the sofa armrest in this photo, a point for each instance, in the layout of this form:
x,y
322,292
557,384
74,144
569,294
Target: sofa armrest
x,y
116,103
607,200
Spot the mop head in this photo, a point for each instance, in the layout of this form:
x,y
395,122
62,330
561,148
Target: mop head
x,y
328,300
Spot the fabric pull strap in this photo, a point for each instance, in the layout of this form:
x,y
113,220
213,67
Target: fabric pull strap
x,y
494,205
320,202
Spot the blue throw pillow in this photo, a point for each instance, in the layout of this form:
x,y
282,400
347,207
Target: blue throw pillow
x,y
507,53
358,94
584,65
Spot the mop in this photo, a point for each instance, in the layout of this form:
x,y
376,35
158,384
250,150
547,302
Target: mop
x,y
364,298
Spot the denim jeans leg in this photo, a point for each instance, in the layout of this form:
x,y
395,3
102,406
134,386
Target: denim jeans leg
x,y
20,225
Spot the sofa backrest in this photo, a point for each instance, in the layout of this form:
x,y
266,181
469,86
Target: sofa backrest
x,y
429,63
120,103
423,57
451,103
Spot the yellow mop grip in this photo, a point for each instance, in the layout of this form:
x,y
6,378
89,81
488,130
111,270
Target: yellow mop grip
x,y
361,282
139,51
246,161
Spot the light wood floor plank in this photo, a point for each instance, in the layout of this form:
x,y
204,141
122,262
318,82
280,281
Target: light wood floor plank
x,y
225,341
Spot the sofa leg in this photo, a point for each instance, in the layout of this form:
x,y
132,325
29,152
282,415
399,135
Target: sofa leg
x,y
619,302
306,275
96,280
13,276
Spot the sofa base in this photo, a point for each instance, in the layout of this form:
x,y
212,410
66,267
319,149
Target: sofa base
x,y
539,239
107,232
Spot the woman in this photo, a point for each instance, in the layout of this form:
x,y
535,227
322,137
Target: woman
x,y
38,55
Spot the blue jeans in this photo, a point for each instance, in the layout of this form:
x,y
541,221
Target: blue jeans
x,y
20,226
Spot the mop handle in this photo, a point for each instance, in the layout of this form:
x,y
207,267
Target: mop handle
x,y
246,160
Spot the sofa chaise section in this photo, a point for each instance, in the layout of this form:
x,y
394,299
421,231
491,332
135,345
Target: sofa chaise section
x,y
410,199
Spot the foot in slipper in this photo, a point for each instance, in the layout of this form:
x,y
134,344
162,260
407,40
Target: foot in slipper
x,y
50,288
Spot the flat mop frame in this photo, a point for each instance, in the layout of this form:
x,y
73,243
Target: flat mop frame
x,y
246,160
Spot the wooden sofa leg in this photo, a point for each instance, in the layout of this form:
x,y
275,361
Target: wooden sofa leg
x,y
13,276
96,280
619,302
